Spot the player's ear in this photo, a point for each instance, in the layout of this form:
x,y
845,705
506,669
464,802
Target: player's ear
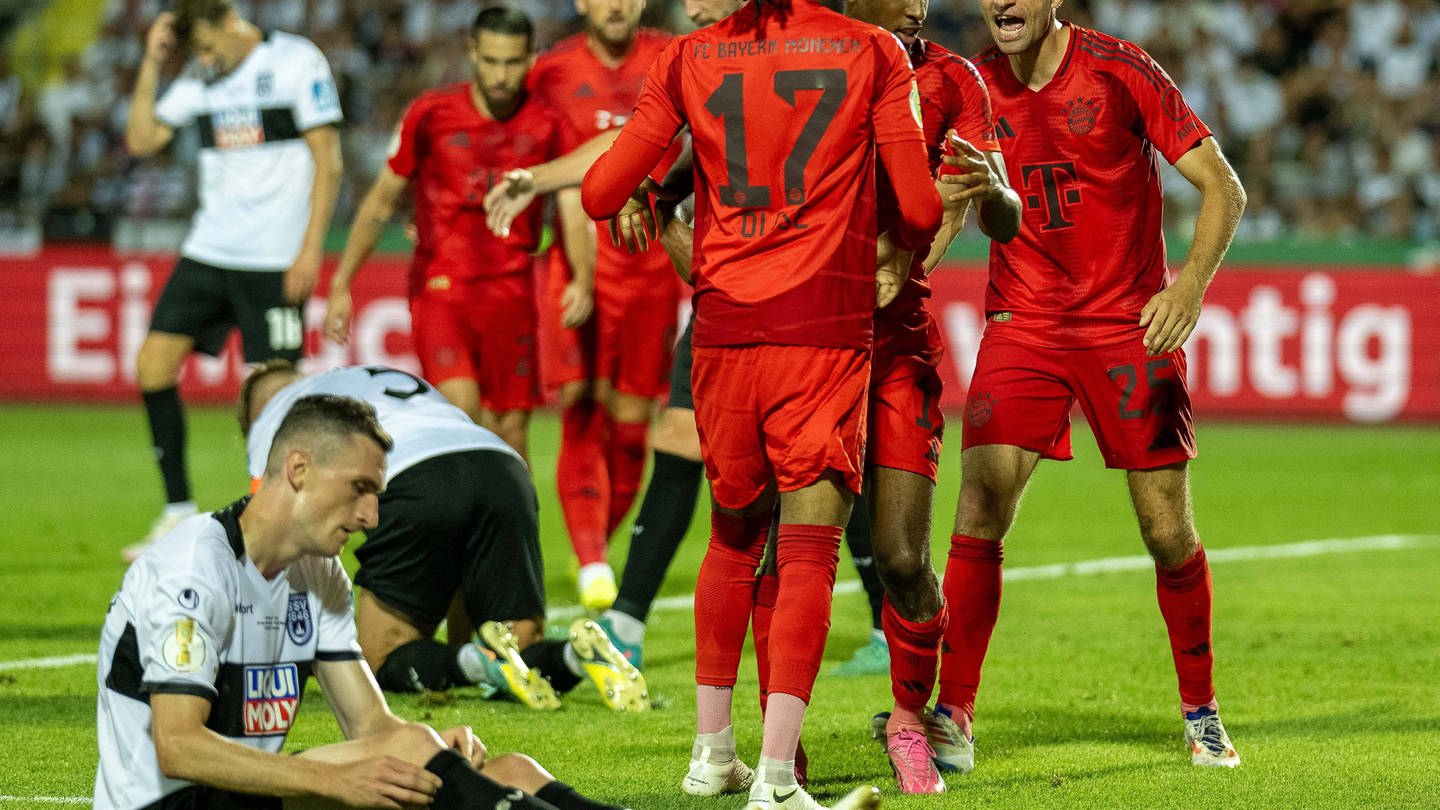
x,y
298,465
582,7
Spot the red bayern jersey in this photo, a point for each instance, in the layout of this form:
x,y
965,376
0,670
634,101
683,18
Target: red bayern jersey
x,y
1082,152
597,97
952,96
785,104
452,153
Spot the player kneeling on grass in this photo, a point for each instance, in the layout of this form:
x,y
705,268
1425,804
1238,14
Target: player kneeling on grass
x,y
206,648
458,534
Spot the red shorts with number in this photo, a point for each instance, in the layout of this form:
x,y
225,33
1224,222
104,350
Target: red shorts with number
x,y
779,413
629,339
1137,405
906,427
482,330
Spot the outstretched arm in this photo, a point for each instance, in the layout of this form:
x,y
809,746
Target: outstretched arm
x,y
519,187
1170,316
610,182
370,221
906,166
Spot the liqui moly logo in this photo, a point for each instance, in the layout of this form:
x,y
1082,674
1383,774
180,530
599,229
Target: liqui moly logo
x,y
272,694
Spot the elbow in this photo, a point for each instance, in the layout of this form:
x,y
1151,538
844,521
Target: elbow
x,y
171,756
599,202
140,147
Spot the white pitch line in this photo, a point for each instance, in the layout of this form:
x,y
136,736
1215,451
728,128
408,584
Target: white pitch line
x,y
47,799
1086,568
47,663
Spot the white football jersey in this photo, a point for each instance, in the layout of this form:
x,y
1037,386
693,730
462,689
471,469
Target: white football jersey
x,y
195,617
421,421
255,169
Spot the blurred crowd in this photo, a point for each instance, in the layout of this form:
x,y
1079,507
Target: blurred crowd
x,y
1329,110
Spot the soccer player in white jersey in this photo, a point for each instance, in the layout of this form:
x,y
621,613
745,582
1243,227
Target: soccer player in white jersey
x,y
266,109
457,540
207,646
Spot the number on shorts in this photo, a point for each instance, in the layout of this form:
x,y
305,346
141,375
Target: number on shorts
x,y
1153,384
286,331
421,386
728,103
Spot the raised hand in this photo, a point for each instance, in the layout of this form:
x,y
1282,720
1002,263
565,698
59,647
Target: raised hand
x,y
508,199
974,180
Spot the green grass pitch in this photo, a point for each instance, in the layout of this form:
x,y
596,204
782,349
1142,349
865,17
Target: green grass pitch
x,y
1327,664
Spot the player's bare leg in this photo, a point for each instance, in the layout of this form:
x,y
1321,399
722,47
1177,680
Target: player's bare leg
x,y
381,629
1182,585
512,426
913,616
993,477
675,433
464,393
157,371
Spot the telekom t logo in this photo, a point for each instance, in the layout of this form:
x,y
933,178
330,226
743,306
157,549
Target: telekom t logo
x,y
1057,187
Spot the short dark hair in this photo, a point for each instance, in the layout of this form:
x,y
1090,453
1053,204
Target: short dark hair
x,y
504,20
270,368
325,420
189,12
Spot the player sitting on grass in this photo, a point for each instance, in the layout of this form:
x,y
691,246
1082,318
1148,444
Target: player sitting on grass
x,y
207,646
458,535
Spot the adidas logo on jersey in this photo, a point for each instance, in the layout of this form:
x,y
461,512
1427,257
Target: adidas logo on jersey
x,y
272,694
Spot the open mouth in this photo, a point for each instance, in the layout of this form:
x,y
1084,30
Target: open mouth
x,y
1009,26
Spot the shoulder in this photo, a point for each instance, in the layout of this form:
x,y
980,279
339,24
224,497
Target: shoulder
x,y
653,38
292,45
987,61
561,51
942,60
439,97
1126,61
202,544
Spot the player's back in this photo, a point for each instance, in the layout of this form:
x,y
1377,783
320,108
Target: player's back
x,y
422,423
786,101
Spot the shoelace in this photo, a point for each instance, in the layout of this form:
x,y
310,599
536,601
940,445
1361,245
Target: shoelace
x,y
1211,734
916,762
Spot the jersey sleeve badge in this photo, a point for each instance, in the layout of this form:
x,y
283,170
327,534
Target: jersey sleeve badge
x,y
183,650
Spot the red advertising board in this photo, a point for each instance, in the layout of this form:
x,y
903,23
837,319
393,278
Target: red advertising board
x,y
1273,343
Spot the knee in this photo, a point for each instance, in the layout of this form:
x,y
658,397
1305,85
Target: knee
x,y
985,510
518,770
412,742
1171,542
676,434
900,568
155,368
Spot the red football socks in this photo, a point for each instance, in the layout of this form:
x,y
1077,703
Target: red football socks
x,y
766,589
806,557
625,457
914,651
1186,600
582,481
725,595
972,588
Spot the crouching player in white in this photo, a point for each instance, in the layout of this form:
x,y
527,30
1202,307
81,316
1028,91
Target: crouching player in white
x,y
207,646
458,538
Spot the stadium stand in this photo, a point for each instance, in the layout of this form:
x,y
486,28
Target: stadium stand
x,y
1329,109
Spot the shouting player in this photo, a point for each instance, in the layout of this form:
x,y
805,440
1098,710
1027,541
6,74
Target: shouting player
x,y
1080,309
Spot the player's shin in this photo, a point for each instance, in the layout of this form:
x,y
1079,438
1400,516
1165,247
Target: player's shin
x,y
914,655
1186,599
724,597
972,579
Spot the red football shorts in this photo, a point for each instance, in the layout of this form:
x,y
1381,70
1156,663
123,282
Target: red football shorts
x,y
781,413
1137,406
906,427
629,339
483,330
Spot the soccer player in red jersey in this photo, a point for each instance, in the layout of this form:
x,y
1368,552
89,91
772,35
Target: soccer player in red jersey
x,y
1080,309
472,299
610,371
788,105
906,426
